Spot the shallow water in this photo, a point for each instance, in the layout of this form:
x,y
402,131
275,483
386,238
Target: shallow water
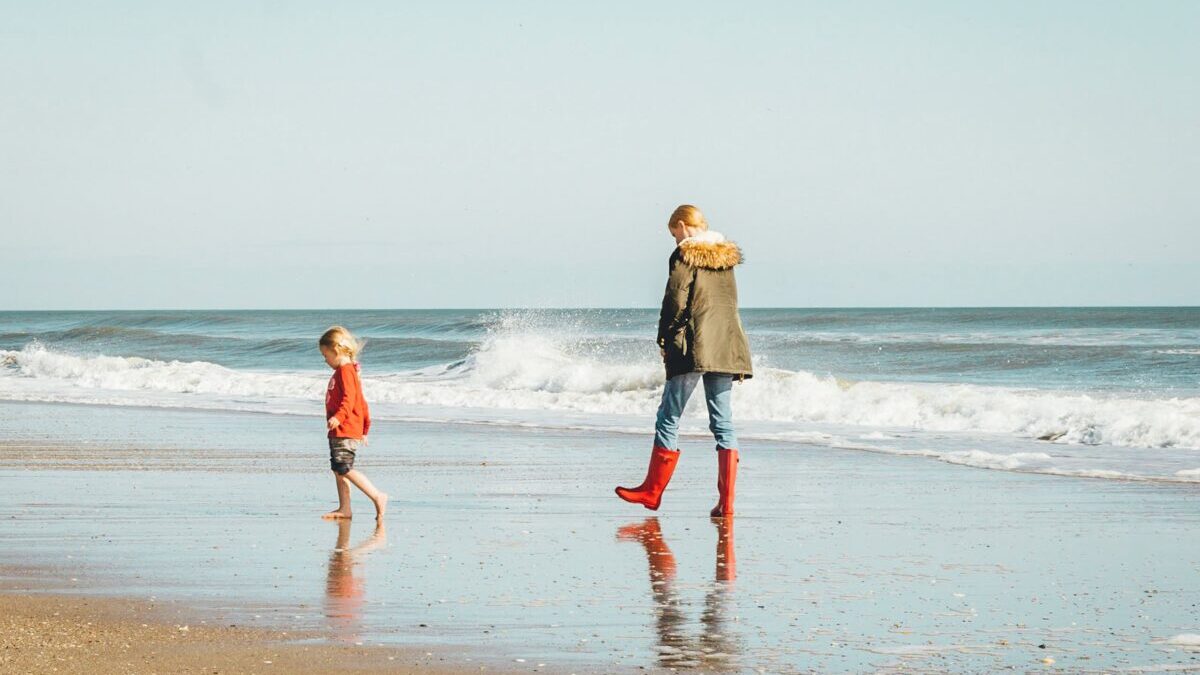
x,y
506,544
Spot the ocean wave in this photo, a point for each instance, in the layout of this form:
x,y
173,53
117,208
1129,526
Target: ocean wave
x,y
1065,417
1124,339
1110,468
519,367
119,373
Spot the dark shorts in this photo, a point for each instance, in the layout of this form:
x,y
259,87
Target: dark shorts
x,y
341,454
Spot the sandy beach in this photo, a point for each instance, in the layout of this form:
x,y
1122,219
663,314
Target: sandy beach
x,y
54,633
505,548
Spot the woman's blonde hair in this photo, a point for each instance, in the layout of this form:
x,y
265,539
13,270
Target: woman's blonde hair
x,y
341,341
690,216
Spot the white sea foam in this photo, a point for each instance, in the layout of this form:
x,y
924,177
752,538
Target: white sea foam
x,y
875,436
536,363
988,460
116,374
526,377
1188,640
532,372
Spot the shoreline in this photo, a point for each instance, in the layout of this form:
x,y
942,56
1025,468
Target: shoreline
x,y
827,439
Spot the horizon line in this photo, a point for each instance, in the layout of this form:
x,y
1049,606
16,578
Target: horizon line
x,y
579,308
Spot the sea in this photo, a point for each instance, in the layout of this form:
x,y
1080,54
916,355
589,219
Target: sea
x,y
1105,393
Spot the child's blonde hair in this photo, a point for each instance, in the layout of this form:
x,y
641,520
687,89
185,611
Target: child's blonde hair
x,y
342,342
690,216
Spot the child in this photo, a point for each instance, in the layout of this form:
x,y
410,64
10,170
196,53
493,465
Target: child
x,y
700,336
348,420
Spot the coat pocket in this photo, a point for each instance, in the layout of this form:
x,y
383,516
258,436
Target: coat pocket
x,y
680,341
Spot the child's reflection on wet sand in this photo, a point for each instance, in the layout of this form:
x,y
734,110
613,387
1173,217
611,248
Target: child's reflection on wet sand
x,y
344,589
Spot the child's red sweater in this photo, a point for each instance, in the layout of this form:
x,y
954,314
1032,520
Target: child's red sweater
x,y
344,400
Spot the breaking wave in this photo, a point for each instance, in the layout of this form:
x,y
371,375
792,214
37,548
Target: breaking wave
x,y
516,369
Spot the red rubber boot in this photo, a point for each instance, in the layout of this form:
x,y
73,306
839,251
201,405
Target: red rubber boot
x,y
649,493
727,465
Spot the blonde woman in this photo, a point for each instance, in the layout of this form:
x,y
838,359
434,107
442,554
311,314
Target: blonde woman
x,y
700,338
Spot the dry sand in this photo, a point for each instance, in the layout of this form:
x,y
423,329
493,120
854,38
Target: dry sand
x,y
73,634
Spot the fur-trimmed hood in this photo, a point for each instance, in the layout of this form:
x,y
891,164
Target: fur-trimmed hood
x,y
710,250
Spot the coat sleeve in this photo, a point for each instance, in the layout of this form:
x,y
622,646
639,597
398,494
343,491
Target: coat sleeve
x,y
366,418
349,390
675,300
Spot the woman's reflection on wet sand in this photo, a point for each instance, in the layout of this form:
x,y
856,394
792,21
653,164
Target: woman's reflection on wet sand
x,y
714,648
344,589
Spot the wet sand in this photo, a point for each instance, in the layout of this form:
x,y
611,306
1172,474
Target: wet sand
x,y
71,634
505,546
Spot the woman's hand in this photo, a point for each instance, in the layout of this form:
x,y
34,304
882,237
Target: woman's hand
x,y
333,423
662,353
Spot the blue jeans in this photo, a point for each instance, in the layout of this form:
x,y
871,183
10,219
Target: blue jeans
x,y
718,392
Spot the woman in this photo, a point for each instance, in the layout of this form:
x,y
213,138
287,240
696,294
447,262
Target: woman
x,y
700,337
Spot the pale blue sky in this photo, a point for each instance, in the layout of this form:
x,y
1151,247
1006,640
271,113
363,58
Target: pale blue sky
x,y
323,154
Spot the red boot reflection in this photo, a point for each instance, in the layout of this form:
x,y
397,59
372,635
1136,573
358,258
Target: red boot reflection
x,y
720,644
714,648
726,558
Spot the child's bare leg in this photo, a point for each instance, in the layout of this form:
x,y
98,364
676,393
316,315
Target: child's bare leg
x,y
343,490
380,499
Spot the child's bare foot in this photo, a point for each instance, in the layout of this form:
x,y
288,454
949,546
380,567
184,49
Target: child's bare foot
x,y
381,505
337,514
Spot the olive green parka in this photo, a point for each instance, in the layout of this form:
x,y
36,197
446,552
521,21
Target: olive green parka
x,y
699,328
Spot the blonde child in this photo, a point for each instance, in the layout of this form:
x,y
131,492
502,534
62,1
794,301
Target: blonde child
x,y
348,419
700,337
